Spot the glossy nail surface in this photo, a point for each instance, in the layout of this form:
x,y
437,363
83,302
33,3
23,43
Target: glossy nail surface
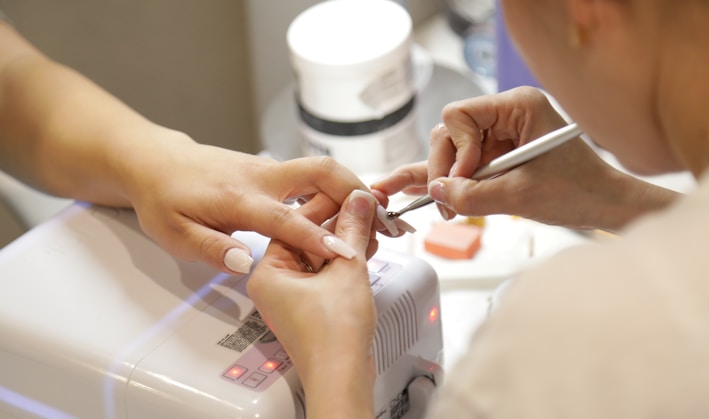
x,y
337,245
238,260
437,190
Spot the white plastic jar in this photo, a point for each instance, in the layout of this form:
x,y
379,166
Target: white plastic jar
x,y
355,87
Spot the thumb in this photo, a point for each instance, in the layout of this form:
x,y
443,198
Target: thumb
x,y
193,241
453,193
218,249
354,223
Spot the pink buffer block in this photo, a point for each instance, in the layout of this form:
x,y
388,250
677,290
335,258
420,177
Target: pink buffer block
x,y
453,240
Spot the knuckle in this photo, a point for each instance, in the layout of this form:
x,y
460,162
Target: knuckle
x,y
209,246
282,215
451,109
532,96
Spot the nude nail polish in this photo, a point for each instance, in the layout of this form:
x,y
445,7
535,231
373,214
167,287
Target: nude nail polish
x,y
337,245
444,213
404,226
238,260
389,223
437,190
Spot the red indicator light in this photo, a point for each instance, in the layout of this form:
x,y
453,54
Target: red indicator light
x,y
270,366
433,314
235,372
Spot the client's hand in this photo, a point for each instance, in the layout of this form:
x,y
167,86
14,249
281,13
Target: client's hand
x,y
324,314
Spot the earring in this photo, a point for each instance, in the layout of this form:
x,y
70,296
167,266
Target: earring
x,y
578,36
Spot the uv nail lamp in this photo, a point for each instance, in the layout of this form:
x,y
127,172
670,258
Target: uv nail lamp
x,y
96,321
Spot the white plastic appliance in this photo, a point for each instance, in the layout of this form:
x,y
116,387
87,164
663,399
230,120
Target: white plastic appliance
x,y
96,321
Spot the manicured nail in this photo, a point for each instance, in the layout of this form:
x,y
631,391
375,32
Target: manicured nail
x,y
360,203
337,245
238,260
330,223
437,190
444,213
453,170
388,222
404,226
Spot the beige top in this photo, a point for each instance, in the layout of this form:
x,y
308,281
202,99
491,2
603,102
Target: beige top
x,y
611,330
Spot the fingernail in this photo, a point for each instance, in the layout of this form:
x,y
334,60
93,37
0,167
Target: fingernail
x,y
453,170
389,223
444,213
403,225
360,203
437,190
238,260
337,245
330,223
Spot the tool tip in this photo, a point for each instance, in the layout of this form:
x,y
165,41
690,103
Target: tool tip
x,y
393,214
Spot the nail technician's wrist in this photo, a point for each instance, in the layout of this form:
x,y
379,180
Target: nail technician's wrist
x,y
631,198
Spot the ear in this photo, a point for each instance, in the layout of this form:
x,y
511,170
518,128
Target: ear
x,y
591,19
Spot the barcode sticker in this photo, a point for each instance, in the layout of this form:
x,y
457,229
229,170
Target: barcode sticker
x,y
244,336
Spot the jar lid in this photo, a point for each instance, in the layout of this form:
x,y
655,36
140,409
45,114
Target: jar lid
x,y
342,33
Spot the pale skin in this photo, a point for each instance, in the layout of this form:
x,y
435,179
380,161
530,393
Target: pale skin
x,y
325,320
594,194
61,133
631,73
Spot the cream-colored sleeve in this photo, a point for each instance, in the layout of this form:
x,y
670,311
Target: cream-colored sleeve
x,y
611,330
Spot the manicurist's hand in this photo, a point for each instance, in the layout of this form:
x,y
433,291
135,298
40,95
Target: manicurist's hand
x,y
325,319
570,186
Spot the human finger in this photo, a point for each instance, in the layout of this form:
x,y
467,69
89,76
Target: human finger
x,y
300,227
355,219
466,128
410,178
215,248
392,227
354,224
442,153
310,175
